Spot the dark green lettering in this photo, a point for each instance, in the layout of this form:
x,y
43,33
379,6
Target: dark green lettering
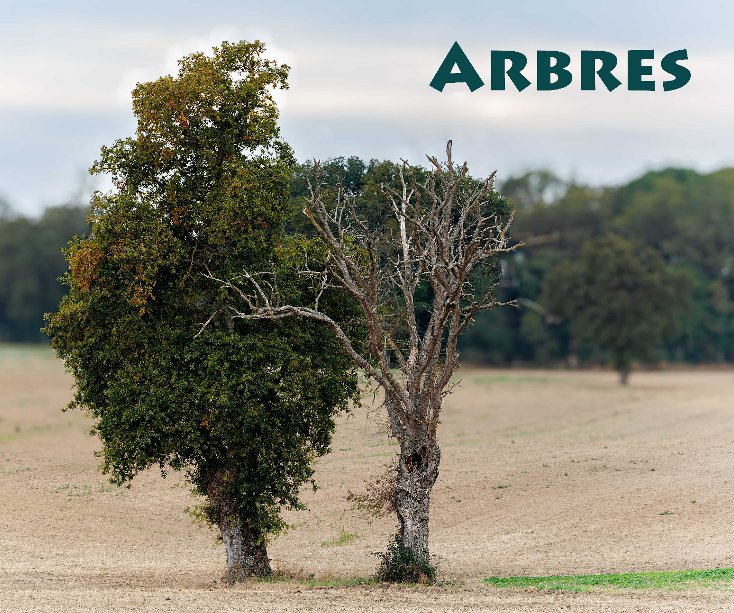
x,y
589,70
467,74
497,65
681,74
559,68
636,70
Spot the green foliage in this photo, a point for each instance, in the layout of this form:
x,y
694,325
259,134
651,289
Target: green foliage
x,y
400,564
689,219
684,216
686,579
355,177
618,298
30,264
202,190
366,182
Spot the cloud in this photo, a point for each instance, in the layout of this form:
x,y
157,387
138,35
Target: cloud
x,y
359,84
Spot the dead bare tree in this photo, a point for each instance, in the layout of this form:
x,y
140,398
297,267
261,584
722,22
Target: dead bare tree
x,y
445,228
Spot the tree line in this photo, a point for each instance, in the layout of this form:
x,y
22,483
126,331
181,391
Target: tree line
x,y
683,218
31,261
668,232
677,223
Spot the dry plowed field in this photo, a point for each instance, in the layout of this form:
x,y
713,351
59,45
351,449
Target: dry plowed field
x,y
543,473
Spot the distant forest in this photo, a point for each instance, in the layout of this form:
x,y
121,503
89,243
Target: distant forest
x,y
685,216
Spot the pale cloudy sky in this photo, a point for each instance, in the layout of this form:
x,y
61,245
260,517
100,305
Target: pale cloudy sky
x,y
359,82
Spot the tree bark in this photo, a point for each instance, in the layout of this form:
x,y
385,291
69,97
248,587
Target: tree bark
x,y
247,555
417,472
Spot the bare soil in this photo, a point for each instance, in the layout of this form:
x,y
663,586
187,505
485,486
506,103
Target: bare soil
x,y
542,473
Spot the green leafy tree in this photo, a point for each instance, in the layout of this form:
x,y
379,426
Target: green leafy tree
x,y
170,378
688,218
618,298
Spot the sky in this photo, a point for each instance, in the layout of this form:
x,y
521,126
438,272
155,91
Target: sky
x,y
359,83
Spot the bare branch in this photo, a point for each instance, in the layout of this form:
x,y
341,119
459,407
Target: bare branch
x,y
444,227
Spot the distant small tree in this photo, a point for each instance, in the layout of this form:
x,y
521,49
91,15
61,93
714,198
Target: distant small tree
x,y
618,298
243,407
440,250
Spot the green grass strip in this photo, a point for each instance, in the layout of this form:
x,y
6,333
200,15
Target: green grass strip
x,y
683,579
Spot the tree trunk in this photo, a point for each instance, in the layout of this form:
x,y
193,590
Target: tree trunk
x,y
247,555
623,363
417,472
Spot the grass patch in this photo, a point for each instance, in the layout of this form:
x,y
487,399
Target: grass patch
x,y
14,350
348,582
311,580
683,579
19,432
85,490
16,471
345,537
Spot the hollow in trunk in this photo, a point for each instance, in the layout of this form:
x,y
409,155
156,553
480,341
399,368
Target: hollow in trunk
x,y
417,472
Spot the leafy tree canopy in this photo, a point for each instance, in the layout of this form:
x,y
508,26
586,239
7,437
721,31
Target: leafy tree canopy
x,y
617,298
202,191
